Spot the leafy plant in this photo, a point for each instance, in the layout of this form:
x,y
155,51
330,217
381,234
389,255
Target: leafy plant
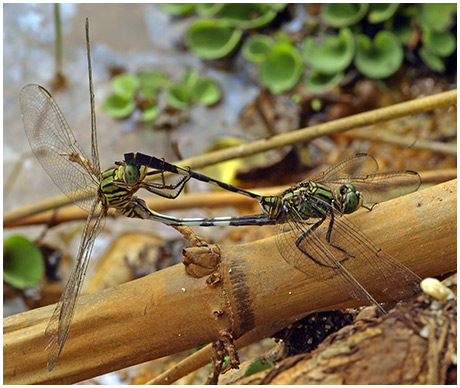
x,y
333,55
142,90
23,263
212,39
371,37
378,58
282,68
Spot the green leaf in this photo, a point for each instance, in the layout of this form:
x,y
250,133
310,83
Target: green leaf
x,y
318,82
282,68
434,62
208,9
178,96
343,14
125,85
151,82
150,114
258,366
212,39
118,107
334,54
379,58
178,8
23,263
436,16
441,44
247,15
257,47
189,79
206,92
379,12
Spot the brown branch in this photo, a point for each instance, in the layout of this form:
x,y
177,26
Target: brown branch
x,y
299,136
406,141
168,312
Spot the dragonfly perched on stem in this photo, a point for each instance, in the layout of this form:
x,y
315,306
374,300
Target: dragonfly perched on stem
x,y
312,233
82,180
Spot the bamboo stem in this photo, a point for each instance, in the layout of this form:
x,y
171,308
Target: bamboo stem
x,y
169,311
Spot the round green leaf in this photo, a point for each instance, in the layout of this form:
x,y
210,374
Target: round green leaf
x,y
189,79
247,15
150,114
118,107
208,9
379,12
380,58
438,17
282,68
178,96
334,54
150,82
441,44
318,82
212,39
206,92
257,47
434,62
344,14
178,8
125,85
23,263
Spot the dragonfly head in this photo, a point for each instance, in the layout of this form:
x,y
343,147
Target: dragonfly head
x,y
131,173
348,199
271,205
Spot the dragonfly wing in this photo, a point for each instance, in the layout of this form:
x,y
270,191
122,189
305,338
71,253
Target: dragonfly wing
x,y
58,327
384,186
359,164
49,135
373,264
349,255
312,256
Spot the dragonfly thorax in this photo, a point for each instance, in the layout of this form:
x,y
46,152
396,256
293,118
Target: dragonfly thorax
x,y
118,185
348,199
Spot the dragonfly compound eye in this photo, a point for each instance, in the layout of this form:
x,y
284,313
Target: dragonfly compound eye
x,y
132,174
349,198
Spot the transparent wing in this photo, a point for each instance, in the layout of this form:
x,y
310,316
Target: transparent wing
x,y
349,255
384,186
361,170
49,135
58,327
356,165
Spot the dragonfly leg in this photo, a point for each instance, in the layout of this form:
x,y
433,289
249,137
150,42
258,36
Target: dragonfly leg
x,y
369,208
328,239
85,163
158,189
304,236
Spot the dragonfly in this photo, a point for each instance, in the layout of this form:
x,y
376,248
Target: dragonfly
x,y
81,179
312,232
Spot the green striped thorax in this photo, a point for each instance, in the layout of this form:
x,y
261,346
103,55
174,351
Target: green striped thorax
x,y
312,199
118,185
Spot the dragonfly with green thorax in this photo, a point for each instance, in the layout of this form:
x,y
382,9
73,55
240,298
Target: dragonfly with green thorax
x,y
82,180
313,234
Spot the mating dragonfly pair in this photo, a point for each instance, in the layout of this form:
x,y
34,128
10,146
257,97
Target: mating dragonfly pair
x,y
312,233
